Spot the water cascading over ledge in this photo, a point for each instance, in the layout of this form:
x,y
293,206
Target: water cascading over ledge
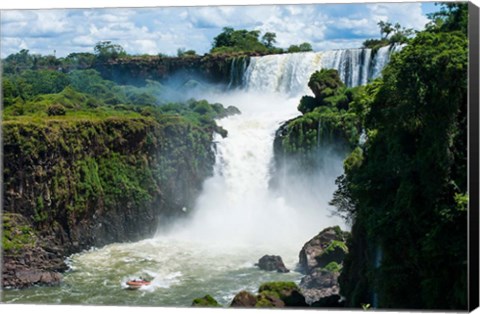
x,y
289,73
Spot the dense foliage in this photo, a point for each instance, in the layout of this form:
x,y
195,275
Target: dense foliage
x,y
231,40
405,189
331,122
303,47
91,147
243,41
332,116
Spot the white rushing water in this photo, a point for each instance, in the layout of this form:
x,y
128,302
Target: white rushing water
x,y
237,206
289,73
237,218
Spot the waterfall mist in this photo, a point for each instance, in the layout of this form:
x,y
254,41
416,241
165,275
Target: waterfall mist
x,y
237,206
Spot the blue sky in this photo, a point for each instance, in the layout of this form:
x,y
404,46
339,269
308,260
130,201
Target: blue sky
x,y
156,30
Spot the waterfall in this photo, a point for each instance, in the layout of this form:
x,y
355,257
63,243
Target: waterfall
x,y
284,73
352,65
237,205
237,218
289,73
238,67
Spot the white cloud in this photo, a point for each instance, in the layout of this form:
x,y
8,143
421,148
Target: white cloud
x,y
407,14
165,29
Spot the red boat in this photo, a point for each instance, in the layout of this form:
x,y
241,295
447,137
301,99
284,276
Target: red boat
x,y
137,283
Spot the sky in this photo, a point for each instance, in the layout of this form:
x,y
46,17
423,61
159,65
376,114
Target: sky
x,y
153,30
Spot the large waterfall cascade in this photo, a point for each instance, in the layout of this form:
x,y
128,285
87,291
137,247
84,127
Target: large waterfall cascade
x,y
289,73
237,218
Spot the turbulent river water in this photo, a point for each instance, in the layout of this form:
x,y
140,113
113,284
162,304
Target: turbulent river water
x,y
236,220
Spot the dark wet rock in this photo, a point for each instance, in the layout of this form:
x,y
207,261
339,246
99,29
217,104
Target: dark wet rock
x,y
244,299
320,284
271,263
28,277
331,301
31,266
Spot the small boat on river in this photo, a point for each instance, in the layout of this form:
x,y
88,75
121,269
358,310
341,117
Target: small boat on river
x,y
137,284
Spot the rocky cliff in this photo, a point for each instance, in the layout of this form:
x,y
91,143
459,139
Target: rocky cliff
x,y
73,184
134,70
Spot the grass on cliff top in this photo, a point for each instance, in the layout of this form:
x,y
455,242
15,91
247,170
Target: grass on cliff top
x,y
72,105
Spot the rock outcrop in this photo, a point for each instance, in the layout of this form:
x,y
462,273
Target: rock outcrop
x,y
326,247
321,287
321,260
272,263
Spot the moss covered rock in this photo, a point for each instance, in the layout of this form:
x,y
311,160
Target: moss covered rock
x,y
288,292
269,299
329,246
206,301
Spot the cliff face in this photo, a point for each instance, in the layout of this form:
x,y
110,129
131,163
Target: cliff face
x,y
73,184
133,70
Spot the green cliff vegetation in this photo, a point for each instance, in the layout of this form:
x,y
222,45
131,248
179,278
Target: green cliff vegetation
x,y
406,189
334,116
89,161
17,234
390,34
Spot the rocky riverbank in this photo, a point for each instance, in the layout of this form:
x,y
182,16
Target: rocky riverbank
x,y
320,260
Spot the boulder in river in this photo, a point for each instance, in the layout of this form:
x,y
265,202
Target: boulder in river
x,y
271,263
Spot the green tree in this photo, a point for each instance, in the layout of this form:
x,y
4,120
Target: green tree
x,y
242,40
389,34
181,52
451,17
17,62
406,193
385,29
224,39
105,50
79,60
303,47
268,39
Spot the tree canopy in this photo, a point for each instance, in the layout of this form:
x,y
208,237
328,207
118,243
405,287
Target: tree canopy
x,y
406,191
231,40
